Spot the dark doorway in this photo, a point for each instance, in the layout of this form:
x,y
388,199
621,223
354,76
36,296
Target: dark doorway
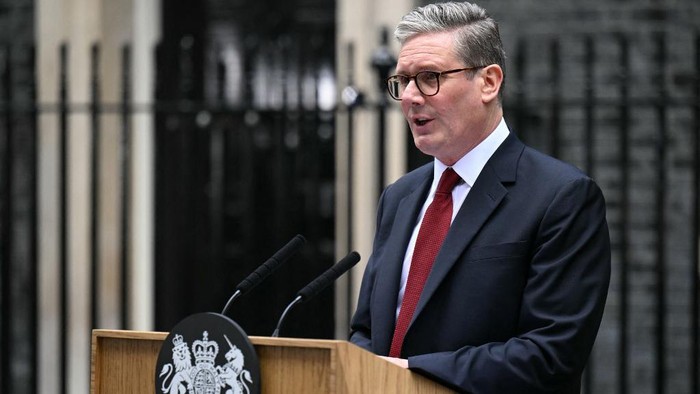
x,y
245,159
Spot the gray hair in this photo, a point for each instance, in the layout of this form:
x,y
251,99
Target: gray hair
x,y
478,41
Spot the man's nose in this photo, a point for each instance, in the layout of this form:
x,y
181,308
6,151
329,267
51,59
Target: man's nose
x,y
411,92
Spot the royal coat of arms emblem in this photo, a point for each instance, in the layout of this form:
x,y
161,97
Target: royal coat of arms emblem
x,y
204,375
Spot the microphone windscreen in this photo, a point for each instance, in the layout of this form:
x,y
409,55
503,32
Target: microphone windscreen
x,y
271,264
329,276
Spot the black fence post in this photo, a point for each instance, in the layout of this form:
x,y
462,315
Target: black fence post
x,y
34,209
589,120
623,229
382,62
590,105
695,233
95,166
18,219
63,215
661,146
125,183
6,217
555,103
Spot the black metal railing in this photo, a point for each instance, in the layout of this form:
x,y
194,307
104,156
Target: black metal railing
x,y
622,134
18,219
633,125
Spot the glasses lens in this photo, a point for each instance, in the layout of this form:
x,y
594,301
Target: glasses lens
x,y
395,86
428,82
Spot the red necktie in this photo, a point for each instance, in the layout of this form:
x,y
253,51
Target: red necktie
x,y
433,230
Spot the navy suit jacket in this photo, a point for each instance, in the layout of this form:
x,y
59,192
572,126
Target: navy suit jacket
x,y
516,294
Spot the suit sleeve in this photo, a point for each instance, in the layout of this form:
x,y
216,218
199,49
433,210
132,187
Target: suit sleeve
x,y
361,324
562,306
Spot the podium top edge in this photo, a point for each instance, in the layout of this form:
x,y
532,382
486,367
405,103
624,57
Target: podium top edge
x,y
130,334
255,340
295,342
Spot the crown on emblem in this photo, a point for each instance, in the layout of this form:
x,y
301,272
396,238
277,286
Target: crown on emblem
x,y
204,350
178,341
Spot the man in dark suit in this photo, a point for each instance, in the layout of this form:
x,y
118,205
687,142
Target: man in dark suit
x,y
513,290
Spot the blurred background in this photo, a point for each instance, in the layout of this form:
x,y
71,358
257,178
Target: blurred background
x,y
153,154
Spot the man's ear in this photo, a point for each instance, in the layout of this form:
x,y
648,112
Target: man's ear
x,y
492,77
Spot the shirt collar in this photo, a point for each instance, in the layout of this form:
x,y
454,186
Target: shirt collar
x,y
470,165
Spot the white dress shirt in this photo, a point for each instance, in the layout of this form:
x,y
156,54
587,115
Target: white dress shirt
x,y
468,168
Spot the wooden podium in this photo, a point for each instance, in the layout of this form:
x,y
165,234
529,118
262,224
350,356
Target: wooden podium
x,y
125,362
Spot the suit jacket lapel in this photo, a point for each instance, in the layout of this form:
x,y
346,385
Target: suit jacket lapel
x,y
389,278
484,197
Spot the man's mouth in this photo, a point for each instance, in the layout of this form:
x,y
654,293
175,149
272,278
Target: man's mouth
x,y
421,121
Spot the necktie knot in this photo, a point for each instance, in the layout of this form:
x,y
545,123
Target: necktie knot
x,y
448,180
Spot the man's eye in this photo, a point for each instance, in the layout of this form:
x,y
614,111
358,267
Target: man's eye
x,y
429,76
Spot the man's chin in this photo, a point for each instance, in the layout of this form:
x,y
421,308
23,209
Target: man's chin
x,y
425,145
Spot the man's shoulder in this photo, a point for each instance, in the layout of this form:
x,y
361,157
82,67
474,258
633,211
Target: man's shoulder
x,y
516,161
542,164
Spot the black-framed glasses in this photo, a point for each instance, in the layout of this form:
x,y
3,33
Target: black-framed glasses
x,y
428,82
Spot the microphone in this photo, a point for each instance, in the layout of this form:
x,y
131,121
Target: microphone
x,y
266,269
320,283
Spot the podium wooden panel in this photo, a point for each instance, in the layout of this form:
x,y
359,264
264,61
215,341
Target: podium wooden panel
x,y
125,362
